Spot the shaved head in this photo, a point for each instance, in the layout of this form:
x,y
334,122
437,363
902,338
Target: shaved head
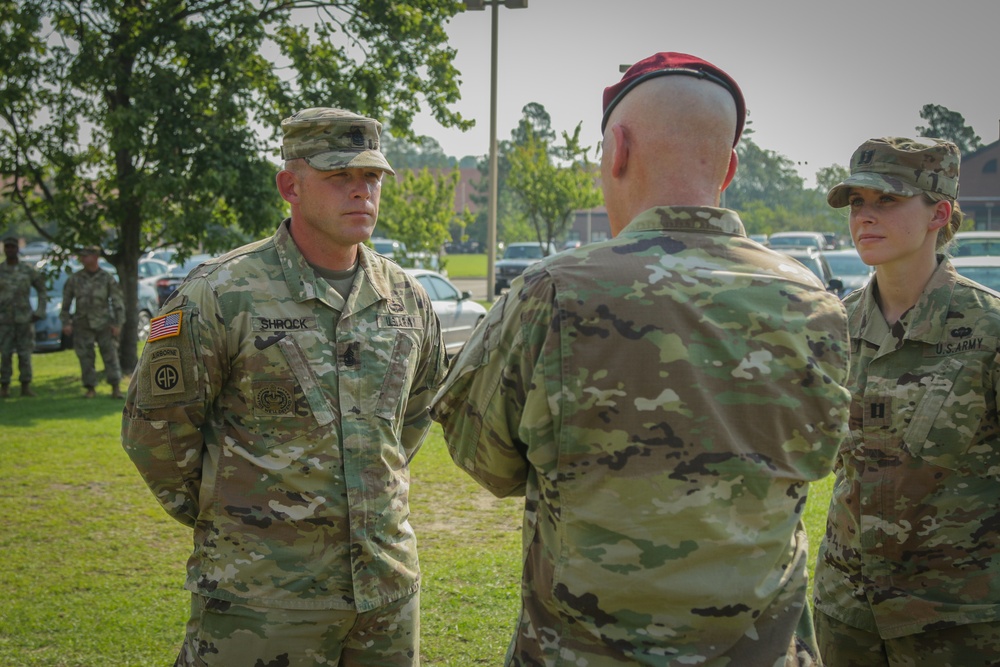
x,y
677,136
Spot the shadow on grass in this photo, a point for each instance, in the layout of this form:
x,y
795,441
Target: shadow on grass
x,y
58,398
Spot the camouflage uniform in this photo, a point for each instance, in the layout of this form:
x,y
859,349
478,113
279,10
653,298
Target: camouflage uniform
x,y
279,421
100,305
17,328
663,400
911,544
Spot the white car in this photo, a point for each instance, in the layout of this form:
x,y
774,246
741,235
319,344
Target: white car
x,y
984,269
846,264
797,240
967,244
458,313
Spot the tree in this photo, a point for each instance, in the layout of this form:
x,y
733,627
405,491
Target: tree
x,y
403,153
943,123
762,176
418,208
137,123
827,177
550,192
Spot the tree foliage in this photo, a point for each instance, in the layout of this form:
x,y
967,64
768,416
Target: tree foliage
x,y
403,153
418,208
528,164
943,123
549,192
140,123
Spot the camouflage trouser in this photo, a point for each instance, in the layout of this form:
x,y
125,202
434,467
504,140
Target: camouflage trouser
x,y
224,634
83,344
971,645
785,639
16,339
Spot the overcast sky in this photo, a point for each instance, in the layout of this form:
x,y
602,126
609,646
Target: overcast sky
x,y
819,77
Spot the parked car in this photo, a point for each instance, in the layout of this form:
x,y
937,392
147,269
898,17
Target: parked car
x,y
846,265
151,268
167,282
782,240
815,261
984,269
391,248
36,251
516,258
48,330
167,255
458,313
967,244
396,251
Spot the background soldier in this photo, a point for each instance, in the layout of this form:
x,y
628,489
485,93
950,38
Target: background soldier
x,y
100,312
17,320
663,400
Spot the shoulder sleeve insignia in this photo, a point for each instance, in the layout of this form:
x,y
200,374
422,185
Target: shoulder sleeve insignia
x,y
165,326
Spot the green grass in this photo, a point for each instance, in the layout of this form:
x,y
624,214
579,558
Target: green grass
x,y
92,569
465,266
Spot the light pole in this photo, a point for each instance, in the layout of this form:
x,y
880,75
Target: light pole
x,y
491,224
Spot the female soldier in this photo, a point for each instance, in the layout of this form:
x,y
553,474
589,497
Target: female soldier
x,y
909,571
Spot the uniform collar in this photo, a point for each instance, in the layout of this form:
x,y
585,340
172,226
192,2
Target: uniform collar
x,y
926,321
687,218
370,284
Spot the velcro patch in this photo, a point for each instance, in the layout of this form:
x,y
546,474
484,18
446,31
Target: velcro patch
x,y
401,321
165,326
274,398
283,323
165,373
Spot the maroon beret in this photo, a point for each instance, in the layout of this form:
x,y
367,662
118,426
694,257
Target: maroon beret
x,y
669,62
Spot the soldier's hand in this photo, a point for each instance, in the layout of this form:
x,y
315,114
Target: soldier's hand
x,y
68,329
115,331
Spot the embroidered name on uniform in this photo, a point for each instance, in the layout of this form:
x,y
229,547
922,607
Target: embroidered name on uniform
x,y
283,323
165,326
401,321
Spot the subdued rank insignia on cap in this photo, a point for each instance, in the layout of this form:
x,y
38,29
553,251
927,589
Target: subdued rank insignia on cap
x,y
165,326
357,137
866,157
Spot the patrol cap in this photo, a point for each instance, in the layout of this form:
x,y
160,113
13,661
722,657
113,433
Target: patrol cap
x,y
668,63
11,240
901,166
89,250
333,139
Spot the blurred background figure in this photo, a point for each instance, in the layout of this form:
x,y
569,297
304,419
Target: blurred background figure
x,y
17,319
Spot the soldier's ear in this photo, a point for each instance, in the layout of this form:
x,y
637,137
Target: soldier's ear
x,y
734,162
619,159
288,186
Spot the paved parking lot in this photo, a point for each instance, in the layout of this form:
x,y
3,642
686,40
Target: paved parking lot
x,y
475,285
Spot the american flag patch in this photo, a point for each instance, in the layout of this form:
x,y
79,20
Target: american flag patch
x,y
164,326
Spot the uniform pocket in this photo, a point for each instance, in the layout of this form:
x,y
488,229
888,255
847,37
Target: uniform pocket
x,y
397,380
283,395
947,421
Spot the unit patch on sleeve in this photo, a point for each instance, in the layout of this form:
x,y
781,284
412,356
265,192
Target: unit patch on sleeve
x,y
165,326
165,372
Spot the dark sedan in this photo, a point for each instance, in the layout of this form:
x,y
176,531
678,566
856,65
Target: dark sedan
x,y
168,282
